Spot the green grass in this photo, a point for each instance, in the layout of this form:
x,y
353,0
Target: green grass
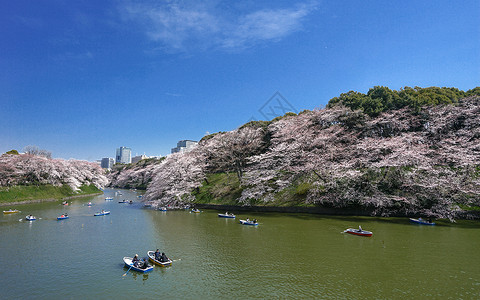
x,y
469,207
33,192
222,188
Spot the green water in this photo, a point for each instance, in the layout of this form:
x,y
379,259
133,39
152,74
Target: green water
x,y
286,256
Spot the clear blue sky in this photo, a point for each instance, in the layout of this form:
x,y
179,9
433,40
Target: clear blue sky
x,y
81,78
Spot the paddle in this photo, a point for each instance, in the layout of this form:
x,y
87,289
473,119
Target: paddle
x,y
127,270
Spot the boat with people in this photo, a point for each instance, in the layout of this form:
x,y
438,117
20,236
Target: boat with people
x,y
11,211
108,198
159,262
63,217
30,218
358,231
226,215
162,209
422,221
195,210
102,213
89,204
141,266
64,203
249,222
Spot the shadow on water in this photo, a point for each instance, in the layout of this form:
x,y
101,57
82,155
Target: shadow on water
x,y
474,224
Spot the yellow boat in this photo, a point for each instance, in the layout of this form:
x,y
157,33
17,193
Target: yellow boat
x,y
11,211
151,257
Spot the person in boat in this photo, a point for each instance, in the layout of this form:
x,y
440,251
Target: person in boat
x,y
144,264
430,220
157,255
248,220
62,216
163,258
135,260
255,221
360,228
66,215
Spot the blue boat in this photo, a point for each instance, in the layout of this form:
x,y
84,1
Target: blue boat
x,y
103,213
129,264
62,217
162,209
248,222
421,221
30,218
226,215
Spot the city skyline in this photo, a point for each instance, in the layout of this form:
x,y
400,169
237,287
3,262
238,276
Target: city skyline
x,y
81,78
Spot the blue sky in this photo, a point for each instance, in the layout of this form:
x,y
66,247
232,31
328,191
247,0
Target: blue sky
x,y
81,78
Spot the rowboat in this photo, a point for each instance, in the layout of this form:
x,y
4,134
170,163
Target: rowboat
x,y
11,211
109,199
64,203
151,257
124,201
62,217
162,209
230,216
421,221
359,232
248,222
103,213
30,218
89,204
129,264
195,211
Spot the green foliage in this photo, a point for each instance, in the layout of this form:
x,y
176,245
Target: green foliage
x,y
33,192
380,98
219,188
13,151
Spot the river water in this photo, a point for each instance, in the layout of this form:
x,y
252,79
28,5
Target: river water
x,y
286,256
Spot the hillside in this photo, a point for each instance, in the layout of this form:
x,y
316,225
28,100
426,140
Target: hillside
x,y
28,177
406,159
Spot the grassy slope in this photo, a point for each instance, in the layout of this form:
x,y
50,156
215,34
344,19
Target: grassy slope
x,y
25,193
224,189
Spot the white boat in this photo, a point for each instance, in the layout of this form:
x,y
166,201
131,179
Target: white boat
x,y
229,216
129,264
248,222
109,199
30,218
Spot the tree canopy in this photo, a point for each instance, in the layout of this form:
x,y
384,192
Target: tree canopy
x,y
380,98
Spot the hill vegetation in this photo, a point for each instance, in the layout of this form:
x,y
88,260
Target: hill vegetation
x,y
36,176
413,151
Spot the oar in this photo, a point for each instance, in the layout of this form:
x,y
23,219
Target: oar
x,y
127,270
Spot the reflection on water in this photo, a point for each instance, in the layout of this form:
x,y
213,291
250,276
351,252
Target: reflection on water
x,y
286,256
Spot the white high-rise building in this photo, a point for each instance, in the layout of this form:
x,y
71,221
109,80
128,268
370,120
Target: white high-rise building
x,y
184,146
124,155
107,162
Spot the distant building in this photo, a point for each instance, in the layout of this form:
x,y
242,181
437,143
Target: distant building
x,y
138,158
184,146
124,155
107,163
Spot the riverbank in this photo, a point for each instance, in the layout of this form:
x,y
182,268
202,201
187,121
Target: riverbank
x,y
44,193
